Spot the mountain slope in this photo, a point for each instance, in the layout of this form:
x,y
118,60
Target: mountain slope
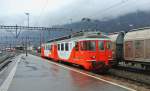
x,y
123,23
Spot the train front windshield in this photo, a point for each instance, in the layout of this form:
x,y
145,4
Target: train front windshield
x,y
91,45
101,45
88,45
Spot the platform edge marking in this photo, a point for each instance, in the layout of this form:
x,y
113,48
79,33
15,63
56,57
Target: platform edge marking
x,y
94,77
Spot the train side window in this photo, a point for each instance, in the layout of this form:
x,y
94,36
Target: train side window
x,y
62,47
101,45
77,46
50,47
70,45
58,46
46,47
66,47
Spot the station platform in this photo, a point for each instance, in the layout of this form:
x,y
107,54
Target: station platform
x,y
33,73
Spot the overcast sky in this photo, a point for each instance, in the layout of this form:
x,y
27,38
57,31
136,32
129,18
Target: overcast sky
x,y
51,12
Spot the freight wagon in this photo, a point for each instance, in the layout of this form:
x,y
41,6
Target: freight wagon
x,y
132,47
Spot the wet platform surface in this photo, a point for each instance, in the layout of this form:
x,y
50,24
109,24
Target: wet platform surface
x,y
37,74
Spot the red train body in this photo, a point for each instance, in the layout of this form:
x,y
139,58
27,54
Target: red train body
x,y
91,50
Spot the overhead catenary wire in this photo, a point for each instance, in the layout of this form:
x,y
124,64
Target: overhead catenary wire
x,y
103,11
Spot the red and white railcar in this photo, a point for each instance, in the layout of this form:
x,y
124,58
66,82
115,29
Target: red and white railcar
x,y
91,50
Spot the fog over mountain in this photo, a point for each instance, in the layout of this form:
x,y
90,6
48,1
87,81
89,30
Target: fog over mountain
x,y
126,22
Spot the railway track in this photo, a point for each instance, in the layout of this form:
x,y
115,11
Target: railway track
x,y
137,76
140,79
134,70
133,74
4,60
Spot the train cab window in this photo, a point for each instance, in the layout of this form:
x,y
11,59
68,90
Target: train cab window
x,y
91,45
88,45
62,47
109,45
77,46
58,47
66,47
101,45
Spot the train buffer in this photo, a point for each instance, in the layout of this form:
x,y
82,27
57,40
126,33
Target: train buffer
x,y
33,73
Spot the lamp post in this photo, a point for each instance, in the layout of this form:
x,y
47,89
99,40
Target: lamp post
x,y
26,35
28,14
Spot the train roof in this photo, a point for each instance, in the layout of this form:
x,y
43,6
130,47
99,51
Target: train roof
x,y
137,34
113,37
81,34
138,29
116,35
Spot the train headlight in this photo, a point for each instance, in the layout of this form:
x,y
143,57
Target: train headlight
x,y
113,52
93,57
109,56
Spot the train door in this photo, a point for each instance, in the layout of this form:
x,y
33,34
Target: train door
x,y
42,50
55,54
101,51
77,53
